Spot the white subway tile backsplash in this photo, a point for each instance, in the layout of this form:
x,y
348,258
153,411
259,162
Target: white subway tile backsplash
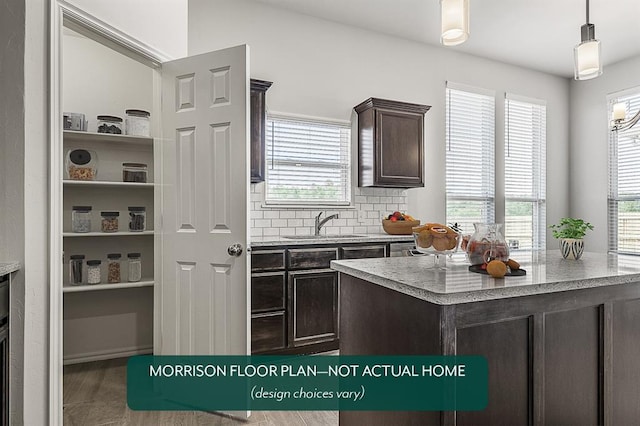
x,y
376,202
279,223
271,214
262,223
294,222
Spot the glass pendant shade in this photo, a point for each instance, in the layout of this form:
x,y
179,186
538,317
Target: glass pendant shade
x,y
455,21
587,60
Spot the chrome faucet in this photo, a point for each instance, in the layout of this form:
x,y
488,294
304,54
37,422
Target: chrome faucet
x,y
320,223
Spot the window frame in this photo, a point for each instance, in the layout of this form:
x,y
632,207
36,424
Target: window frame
x,y
613,197
489,199
308,203
538,202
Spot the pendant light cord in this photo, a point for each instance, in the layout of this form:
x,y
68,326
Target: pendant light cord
x,y
587,11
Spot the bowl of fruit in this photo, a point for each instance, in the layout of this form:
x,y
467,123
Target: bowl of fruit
x,y
435,238
399,224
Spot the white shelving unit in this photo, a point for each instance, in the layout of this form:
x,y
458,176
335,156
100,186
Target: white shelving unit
x,y
109,320
68,288
106,234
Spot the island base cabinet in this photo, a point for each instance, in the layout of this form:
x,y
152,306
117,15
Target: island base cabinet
x,y
567,358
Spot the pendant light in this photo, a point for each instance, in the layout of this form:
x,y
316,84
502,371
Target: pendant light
x,y
619,119
455,22
587,53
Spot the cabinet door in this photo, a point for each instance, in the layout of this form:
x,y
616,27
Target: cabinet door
x,y
399,149
4,373
313,307
258,113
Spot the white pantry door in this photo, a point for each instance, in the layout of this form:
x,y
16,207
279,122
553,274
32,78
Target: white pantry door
x,y
205,178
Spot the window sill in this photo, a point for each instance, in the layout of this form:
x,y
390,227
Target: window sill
x,y
308,206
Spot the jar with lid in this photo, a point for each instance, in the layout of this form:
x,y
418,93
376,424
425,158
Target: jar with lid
x,y
135,267
93,271
81,164
81,218
137,219
75,269
137,123
113,268
109,124
134,172
109,221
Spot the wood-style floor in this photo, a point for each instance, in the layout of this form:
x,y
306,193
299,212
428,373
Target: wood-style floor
x,y
96,394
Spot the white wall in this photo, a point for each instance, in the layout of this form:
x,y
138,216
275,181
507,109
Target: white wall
x,y
12,130
321,68
161,24
590,142
97,80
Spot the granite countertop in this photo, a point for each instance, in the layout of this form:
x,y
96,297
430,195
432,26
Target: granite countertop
x,y
547,272
327,239
8,267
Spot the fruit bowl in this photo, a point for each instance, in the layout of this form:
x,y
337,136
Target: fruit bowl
x,y
399,227
436,239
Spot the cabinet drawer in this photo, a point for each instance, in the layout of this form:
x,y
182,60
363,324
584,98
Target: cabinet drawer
x,y
362,252
312,258
267,260
268,291
268,332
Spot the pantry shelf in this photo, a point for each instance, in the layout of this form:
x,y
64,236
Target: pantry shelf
x,y
87,137
106,234
68,182
68,288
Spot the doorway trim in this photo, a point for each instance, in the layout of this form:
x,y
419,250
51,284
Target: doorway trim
x,y
63,14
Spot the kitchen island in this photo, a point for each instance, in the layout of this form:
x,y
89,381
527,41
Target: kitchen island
x,y
562,342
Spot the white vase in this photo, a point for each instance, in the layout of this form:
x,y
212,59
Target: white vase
x,y
571,248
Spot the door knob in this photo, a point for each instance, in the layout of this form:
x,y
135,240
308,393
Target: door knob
x,y
234,250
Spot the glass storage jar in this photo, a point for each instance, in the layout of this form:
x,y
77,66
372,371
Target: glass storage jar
x,y
137,219
134,267
134,172
109,221
81,164
76,262
137,123
109,124
81,218
113,268
93,272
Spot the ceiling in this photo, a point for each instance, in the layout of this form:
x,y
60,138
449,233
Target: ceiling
x,y
537,34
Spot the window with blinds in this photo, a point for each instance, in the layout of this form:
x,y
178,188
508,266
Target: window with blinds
x,y
308,162
624,180
525,172
470,169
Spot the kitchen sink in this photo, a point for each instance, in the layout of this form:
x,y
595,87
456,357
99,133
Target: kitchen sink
x,y
319,237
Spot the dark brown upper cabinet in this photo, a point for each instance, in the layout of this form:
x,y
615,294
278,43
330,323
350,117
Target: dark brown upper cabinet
x,y
258,128
391,143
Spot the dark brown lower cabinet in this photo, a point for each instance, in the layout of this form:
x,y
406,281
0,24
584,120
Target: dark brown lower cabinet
x,y
268,331
567,358
313,307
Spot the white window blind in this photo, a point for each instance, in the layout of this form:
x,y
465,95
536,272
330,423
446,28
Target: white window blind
x,y
470,168
308,162
624,181
525,172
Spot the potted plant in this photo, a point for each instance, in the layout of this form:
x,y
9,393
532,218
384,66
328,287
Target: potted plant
x,y
571,232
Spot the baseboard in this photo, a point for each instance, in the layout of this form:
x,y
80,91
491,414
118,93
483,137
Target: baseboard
x,y
108,354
